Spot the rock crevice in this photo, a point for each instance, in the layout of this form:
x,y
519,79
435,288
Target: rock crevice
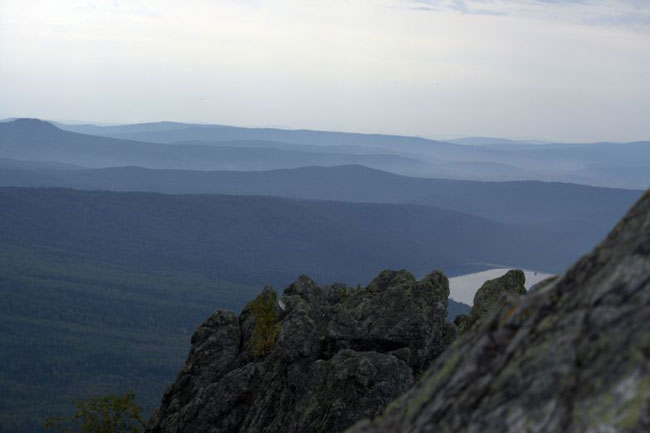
x,y
315,359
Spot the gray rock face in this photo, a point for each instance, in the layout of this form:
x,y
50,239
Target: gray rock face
x,y
316,359
488,296
571,356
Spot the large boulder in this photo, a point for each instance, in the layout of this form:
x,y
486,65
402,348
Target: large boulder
x,y
488,296
316,359
571,356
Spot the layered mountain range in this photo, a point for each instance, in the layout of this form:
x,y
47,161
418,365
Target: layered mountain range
x,y
116,242
217,147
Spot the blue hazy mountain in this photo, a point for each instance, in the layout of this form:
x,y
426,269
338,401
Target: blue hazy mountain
x,y
480,158
258,239
31,139
515,202
101,289
171,132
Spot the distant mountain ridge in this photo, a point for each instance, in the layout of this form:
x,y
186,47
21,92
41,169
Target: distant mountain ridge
x,y
479,158
493,141
169,132
254,239
224,147
31,139
101,284
514,202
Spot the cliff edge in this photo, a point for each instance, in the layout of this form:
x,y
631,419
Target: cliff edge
x,y
315,359
571,356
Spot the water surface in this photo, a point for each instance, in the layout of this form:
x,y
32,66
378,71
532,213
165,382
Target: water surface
x,y
463,287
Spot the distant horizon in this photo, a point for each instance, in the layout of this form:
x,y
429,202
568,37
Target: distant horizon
x,y
523,140
560,71
313,194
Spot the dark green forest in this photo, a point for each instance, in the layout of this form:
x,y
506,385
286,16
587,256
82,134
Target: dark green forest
x,y
509,202
265,240
101,291
75,327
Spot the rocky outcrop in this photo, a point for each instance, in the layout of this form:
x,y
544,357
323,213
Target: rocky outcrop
x,y
571,356
488,296
316,359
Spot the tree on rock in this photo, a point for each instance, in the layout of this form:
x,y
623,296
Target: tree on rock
x,y
109,414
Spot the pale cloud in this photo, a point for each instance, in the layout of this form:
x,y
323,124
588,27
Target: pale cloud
x,y
519,69
135,7
594,12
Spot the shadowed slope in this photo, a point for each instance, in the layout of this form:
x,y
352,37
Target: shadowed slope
x,y
520,202
261,240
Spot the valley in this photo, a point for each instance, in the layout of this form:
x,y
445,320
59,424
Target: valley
x,y
114,250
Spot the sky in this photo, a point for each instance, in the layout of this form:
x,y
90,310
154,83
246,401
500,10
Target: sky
x,y
563,70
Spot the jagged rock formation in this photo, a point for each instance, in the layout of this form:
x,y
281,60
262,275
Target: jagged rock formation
x,y
488,295
572,356
316,359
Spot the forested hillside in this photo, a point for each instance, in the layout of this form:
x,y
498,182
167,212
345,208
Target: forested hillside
x,y
262,239
72,326
518,202
96,285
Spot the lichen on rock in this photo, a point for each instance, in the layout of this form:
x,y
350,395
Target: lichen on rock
x,y
316,359
487,297
572,356
267,326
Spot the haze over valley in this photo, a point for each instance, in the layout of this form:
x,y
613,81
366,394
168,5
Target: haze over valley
x,y
215,147
326,216
166,214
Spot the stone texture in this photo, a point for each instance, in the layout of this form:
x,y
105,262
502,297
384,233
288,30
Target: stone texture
x,y
571,356
340,355
487,297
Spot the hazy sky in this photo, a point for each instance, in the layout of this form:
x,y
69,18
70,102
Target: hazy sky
x,y
550,69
